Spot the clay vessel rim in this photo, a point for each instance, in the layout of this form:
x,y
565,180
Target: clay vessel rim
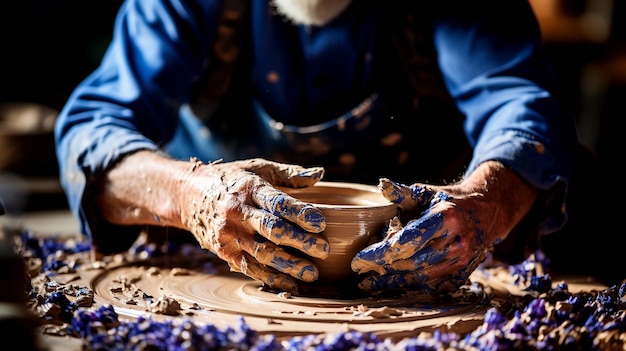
x,y
357,188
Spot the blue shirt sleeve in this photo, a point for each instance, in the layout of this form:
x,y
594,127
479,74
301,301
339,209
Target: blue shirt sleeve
x,y
493,67
131,101
496,70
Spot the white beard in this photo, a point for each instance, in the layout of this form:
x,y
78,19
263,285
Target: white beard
x,y
311,12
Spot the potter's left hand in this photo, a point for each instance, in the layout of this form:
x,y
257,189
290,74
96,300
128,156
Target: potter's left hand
x,y
452,228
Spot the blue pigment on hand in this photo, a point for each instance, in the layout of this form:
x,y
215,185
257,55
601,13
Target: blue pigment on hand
x,y
424,228
312,173
421,195
313,217
397,193
287,265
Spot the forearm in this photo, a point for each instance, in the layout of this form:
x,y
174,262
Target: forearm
x,y
507,195
143,188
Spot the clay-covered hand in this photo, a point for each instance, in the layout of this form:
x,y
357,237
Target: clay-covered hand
x,y
237,213
449,232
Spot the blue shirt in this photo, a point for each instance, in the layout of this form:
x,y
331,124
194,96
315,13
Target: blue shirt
x,y
316,82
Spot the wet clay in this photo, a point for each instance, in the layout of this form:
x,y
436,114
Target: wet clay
x,y
191,283
192,288
210,293
356,215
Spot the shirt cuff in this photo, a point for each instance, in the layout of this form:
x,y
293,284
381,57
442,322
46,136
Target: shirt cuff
x,y
87,158
532,161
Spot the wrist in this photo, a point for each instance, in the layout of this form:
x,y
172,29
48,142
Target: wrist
x,y
142,189
509,197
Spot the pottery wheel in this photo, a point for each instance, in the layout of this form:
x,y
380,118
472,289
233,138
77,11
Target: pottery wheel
x,y
207,292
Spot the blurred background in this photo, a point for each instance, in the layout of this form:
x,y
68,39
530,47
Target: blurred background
x,y
48,46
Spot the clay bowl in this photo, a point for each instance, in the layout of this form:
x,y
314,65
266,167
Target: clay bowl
x,y
355,214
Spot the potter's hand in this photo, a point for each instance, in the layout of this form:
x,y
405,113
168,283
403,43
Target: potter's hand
x,y
241,217
451,230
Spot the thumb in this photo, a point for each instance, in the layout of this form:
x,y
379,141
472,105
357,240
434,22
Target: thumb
x,y
283,174
407,197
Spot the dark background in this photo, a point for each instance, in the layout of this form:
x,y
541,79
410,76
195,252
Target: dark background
x,y
49,46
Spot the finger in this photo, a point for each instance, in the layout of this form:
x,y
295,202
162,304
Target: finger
x,y
424,260
414,281
400,246
372,259
433,270
282,174
408,197
269,276
303,214
267,253
281,232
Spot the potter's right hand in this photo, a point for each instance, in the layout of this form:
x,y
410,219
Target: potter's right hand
x,y
234,210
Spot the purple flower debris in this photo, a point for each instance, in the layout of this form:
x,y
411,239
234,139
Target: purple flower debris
x,y
548,319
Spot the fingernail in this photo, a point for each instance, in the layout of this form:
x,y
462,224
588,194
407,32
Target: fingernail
x,y
362,265
391,190
308,273
314,173
313,217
